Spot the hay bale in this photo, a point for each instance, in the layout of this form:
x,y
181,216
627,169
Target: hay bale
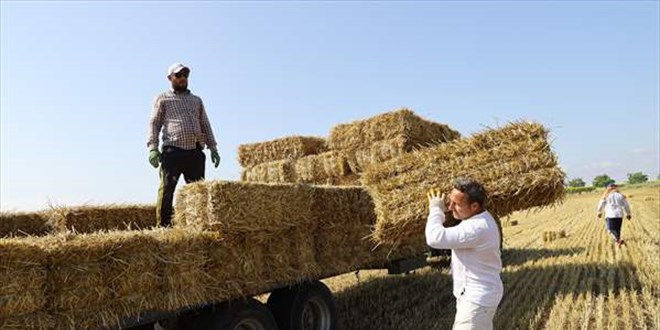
x,y
552,235
38,321
279,171
326,168
362,134
348,180
92,218
359,159
271,224
95,279
250,264
515,164
320,168
292,147
243,207
292,230
345,218
16,224
184,258
23,274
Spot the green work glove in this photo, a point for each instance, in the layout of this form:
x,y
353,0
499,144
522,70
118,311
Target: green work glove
x,y
215,158
154,157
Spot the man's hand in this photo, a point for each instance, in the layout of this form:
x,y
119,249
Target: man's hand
x,y
154,157
600,214
215,157
436,200
629,217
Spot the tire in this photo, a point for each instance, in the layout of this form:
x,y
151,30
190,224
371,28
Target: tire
x,y
244,315
308,306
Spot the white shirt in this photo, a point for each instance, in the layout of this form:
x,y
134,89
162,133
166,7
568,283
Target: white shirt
x,y
475,255
614,205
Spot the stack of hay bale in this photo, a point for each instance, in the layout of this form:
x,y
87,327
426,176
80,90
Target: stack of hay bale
x,y
350,149
234,239
296,159
515,164
287,232
88,281
386,136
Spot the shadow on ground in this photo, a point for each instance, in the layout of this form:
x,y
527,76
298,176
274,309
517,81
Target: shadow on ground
x,y
425,301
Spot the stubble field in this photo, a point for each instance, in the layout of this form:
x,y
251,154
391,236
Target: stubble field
x,y
580,281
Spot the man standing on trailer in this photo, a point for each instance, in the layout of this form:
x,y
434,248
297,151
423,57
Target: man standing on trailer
x,y
475,252
186,131
615,204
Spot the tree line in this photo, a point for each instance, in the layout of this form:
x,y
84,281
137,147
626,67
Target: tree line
x,y
603,180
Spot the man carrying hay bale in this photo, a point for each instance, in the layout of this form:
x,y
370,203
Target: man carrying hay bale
x,y
186,129
614,203
475,252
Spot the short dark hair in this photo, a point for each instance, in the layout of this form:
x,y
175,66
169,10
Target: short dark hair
x,y
474,191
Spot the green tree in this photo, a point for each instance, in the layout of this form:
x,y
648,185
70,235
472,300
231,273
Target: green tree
x,y
637,177
577,182
602,180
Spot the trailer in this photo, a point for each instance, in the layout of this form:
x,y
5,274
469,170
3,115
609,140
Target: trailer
x,y
308,305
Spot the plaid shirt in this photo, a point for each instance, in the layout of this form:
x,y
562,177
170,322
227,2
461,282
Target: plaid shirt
x,y
183,120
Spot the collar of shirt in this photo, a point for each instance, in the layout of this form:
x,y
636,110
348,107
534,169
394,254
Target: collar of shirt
x,y
179,93
477,215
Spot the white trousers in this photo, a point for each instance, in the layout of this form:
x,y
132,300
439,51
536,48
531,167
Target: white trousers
x,y
470,316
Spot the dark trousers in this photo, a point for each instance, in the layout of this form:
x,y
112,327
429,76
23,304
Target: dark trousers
x,y
614,227
174,162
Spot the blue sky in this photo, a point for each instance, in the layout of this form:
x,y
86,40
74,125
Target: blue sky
x,y
78,78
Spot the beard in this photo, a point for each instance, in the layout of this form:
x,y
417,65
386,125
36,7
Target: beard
x,y
180,88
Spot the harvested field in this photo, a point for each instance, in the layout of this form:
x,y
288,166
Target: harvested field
x,y
582,281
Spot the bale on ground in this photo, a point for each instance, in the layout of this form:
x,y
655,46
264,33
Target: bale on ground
x,y
404,123
515,164
16,224
92,218
292,147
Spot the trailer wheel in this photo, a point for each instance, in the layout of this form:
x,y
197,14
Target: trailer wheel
x,y
308,306
236,315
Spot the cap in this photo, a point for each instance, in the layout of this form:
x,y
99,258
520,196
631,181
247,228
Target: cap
x,y
175,68
611,184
